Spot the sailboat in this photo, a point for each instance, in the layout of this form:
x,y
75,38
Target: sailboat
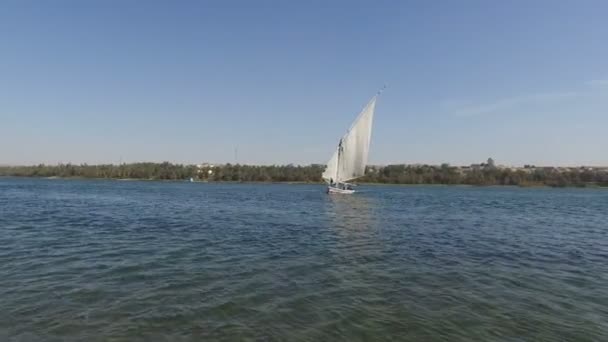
x,y
350,157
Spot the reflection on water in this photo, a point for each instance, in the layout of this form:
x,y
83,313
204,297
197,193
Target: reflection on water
x,y
351,213
354,222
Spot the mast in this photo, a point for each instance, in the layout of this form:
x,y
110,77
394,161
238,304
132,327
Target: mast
x,y
338,161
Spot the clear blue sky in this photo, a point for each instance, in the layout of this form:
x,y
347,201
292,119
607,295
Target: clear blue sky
x,y
97,81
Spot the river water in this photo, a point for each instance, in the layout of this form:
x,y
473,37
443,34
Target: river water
x,y
176,261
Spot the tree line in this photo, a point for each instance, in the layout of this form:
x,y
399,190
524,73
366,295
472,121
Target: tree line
x,y
391,174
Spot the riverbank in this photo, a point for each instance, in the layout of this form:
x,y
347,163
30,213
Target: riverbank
x,y
589,185
311,174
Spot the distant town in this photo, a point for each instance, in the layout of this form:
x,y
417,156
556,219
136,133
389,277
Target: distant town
x,y
486,173
490,164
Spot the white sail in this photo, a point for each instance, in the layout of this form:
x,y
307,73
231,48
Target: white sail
x,y
331,171
355,145
350,159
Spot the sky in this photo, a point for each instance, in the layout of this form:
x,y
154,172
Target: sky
x,y
523,82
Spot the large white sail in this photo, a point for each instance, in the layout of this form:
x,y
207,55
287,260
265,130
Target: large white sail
x,y
350,159
355,145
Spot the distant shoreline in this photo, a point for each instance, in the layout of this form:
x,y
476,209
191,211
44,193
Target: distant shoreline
x,y
586,186
485,174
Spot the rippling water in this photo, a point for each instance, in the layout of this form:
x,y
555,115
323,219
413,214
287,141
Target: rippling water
x,y
110,260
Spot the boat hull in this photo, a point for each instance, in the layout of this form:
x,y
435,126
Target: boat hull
x,y
333,190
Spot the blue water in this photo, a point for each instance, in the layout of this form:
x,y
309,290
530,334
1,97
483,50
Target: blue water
x,y
139,261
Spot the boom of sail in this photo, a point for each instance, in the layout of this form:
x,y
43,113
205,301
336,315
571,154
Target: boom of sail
x,y
350,157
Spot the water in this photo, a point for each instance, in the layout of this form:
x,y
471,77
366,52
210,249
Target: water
x,y
138,261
